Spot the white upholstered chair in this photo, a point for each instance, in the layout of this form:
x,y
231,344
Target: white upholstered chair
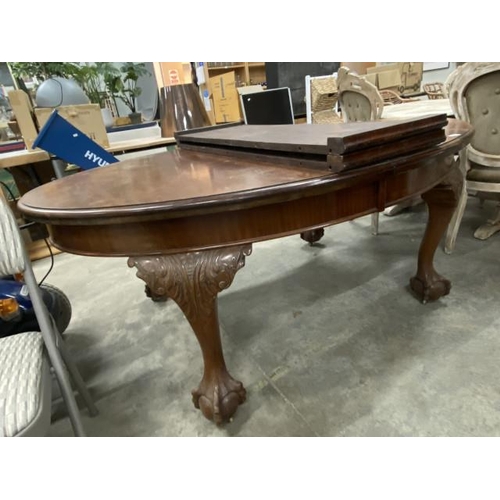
x,y
26,358
360,101
474,93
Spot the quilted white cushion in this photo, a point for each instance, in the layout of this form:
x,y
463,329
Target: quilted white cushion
x,y
21,358
11,250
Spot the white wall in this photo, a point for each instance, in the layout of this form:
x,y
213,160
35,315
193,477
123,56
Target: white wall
x,y
438,75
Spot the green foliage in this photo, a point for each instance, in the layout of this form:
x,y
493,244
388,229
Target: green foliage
x,y
43,70
97,80
126,87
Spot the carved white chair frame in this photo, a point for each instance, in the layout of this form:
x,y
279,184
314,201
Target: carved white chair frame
x,y
457,85
362,93
349,82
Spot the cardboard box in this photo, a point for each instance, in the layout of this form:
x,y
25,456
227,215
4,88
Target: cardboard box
x,y
401,76
85,117
23,111
225,98
360,68
411,75
389,80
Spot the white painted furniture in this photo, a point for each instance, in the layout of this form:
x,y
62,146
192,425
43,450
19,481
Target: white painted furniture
x,y
417,109
474,92
361,101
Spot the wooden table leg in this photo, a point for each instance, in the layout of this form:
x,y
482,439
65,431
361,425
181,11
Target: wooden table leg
x,y
193,280
441,202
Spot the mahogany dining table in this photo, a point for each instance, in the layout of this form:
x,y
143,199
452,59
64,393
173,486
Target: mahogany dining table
x,y
186,219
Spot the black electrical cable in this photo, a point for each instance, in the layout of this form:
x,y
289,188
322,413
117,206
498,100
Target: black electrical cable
x,y
11,194
51,262
62,93
24,226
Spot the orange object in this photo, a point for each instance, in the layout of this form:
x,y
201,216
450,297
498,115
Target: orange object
x,y
8,308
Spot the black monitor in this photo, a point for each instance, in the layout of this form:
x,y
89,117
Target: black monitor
x,y
268,107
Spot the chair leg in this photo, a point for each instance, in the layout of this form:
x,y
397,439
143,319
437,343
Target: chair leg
x,y
45,323
375,218
454,225
490,228
75,374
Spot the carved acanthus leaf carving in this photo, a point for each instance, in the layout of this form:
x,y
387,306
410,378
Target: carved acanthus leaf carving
x,y
192,279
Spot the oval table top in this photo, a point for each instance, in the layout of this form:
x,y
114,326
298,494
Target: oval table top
x,y
185,201
183,180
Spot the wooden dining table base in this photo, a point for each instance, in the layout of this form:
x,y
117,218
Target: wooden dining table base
x,y
194,279
187,219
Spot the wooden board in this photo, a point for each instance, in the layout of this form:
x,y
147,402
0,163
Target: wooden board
x,y
385,151
352,140
22,157
318,138
23,111
335,145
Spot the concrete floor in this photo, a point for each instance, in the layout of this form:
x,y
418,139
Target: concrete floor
x,y
327,340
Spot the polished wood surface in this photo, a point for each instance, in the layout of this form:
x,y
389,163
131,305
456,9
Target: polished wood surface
x,y
184,200
321,138
218,394
343,146
170,181
187,219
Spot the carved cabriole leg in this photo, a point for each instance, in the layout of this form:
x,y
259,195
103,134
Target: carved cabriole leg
x,y
153,296
193,280
441,202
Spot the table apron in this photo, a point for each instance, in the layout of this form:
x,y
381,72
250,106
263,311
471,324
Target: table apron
x,y
249,224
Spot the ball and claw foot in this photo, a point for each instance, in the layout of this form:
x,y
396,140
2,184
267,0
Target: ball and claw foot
x,y
313,235
432,288
153,296
219,399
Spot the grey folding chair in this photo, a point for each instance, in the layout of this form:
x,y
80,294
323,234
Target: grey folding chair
x,y
26,358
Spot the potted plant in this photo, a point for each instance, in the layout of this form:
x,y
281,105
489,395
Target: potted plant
x,y
94,80
127,90
98,82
